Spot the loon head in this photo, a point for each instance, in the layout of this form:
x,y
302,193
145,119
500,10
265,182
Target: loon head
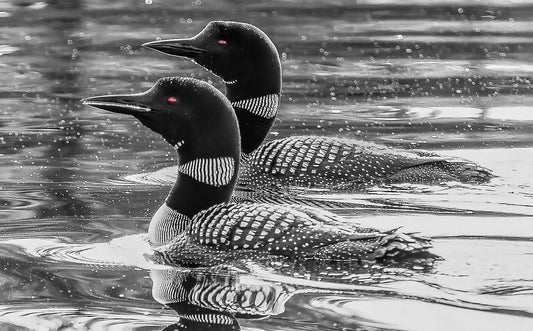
x,y
247,60
234,51
199,122
190,115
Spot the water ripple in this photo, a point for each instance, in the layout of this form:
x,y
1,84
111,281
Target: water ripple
x,y
406,314
55,316
124,251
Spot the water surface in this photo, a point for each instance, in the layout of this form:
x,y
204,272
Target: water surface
x,y
449,76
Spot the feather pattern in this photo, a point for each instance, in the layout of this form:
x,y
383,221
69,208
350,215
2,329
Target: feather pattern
x,y
231,231
344,164
212,171
265,106
166,224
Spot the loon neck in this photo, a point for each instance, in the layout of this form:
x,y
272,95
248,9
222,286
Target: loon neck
x,y
254,84
255,98
202,182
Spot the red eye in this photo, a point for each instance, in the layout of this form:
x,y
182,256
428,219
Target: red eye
x,y
222,42
171,100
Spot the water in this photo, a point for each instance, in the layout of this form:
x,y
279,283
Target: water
x,y
448,76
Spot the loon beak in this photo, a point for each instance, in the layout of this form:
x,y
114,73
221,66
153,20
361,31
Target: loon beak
x,y
131,104
176,47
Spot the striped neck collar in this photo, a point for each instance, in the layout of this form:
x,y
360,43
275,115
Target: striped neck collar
x,y
230,82
212,171
265,106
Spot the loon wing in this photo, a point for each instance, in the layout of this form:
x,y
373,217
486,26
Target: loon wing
x,y
254,231
273,229
315,161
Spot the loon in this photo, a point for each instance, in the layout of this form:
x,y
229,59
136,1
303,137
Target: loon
x,y
248,62
197,226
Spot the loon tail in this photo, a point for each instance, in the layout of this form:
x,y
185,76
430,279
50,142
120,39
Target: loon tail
x,y
469,172
388,246
446,169
397,245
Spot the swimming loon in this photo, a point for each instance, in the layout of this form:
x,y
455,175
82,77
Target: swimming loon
x,y
196,225
248,62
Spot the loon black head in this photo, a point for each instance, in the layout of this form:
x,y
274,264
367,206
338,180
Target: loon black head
x,y
234,51
191,115
199,122
247,60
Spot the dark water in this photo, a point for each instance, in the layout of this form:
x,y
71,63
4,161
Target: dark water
x,y
449,76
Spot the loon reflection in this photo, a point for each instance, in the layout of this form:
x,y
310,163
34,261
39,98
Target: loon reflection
x,y
214,298
206,300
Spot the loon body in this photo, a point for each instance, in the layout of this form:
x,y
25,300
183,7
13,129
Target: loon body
x,y
196,226
339,164
248,62
232,231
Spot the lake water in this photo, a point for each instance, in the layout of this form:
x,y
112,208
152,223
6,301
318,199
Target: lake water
x,y
453,77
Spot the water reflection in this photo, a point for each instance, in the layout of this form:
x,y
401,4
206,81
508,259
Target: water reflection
x,y
216,297
215,300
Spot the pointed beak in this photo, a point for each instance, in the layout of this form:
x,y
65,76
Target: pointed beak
x,y
131,104
176,47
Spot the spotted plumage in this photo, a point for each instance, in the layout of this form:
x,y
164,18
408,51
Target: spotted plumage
x,y
229,231
344,164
